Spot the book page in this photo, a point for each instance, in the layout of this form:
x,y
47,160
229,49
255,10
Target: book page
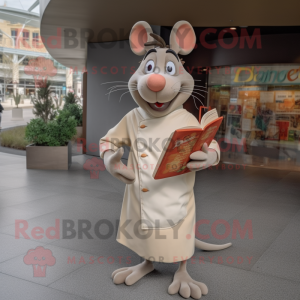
x,y
209,117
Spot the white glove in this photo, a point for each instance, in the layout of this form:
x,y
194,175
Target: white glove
x,y
202,159
114,165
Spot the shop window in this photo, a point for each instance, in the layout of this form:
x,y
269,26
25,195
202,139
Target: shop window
x,y
14,34
35,39
260,105
25,36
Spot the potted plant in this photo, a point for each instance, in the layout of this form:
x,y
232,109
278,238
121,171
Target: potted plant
x,y
76,111
50,147
43,106
17,112
70,98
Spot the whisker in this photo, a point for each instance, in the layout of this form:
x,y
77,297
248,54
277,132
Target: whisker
x,y
191,87
194,92
113,81
191,92
201,90
186,89
120,89
199,94
194,98
111,87
120,85
195,103
122,95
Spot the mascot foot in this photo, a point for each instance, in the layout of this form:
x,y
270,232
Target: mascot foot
x,y
185,285
131,275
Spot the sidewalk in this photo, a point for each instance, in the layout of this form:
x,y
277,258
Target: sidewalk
x,y
269,198
7,122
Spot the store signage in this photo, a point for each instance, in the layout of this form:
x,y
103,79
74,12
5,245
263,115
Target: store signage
x,y
266,75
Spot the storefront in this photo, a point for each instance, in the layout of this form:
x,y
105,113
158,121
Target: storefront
x,y
261,109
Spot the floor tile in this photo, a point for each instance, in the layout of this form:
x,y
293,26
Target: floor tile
x,y
18,289
59,263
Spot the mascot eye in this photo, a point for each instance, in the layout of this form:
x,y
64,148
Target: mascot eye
x,y
149,67
170,68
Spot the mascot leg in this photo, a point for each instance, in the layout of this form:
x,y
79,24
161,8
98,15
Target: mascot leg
x,y
131,275
185,285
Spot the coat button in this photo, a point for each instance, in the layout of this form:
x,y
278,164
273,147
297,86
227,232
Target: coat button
x,y
144,155
143,126
145,190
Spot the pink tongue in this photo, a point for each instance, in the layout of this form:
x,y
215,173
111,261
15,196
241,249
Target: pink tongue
x,y
157,104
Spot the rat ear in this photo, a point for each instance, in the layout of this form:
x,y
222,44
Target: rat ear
x,y
182,38
139,35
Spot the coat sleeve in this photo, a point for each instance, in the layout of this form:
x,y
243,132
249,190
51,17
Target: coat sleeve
x,y
192,121
116,137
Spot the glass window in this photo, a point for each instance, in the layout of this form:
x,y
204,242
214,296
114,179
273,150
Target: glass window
x,y
260,105
26,35
35,39
14,34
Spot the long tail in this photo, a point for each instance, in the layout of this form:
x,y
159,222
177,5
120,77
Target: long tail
x,y
210,247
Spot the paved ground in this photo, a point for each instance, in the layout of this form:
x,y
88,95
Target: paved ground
x,y
267,199
7,122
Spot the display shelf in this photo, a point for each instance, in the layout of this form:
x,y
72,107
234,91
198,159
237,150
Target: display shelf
x,y
272,143
287,113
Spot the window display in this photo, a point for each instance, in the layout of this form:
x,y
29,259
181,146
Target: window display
x,y
261,110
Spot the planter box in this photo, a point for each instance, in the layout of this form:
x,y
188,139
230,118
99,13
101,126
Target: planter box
x,y
17,114
78,132
49,158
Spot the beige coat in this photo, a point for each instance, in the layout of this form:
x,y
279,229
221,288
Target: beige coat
x,y
158,216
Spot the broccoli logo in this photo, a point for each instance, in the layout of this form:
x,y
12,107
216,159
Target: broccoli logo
x,y
94,165
39,258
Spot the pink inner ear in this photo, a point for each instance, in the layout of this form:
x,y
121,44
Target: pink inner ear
x,y
185,37
138,38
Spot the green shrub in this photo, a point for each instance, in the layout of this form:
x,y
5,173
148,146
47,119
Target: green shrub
x,y
43,106
14,138
53,133
70,99
76,111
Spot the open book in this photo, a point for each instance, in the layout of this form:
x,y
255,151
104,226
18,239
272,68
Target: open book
x,y
183,142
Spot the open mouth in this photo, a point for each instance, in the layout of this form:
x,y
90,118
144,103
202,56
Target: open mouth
x,y
158,106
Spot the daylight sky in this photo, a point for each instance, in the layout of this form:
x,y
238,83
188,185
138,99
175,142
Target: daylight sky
x,y
20,4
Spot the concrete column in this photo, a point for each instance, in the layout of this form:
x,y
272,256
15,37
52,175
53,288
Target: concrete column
x,y
84,107
69,78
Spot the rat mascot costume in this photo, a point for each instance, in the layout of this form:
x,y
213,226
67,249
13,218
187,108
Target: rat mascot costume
x,y
159,214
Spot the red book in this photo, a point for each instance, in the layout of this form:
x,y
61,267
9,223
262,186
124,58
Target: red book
x,y
183,142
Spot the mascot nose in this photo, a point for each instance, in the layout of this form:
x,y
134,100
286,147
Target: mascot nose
x,y
156,82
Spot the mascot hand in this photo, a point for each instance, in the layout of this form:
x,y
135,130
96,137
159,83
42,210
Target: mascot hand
x,y
114,165
202,159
